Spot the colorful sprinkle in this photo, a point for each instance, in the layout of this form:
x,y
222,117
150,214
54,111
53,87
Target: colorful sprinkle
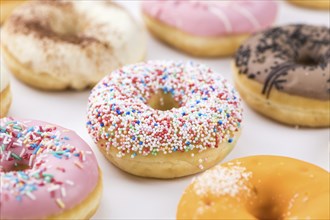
x,y
32,148
206,102
60,203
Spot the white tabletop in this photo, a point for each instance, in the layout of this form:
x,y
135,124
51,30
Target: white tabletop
x,y
129,197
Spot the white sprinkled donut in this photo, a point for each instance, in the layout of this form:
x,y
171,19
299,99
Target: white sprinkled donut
x,y
164,119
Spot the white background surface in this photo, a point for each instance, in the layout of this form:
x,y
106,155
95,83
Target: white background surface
x,y
130,197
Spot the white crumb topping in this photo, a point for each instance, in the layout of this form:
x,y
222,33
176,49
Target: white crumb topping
x,y
222,181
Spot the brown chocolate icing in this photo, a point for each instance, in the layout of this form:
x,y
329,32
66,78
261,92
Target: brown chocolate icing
x,y
294,59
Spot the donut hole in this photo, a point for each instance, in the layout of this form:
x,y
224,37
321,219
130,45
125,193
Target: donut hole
x,y
266,206
306,60
267,210
162,101
65,31
65,27
56,20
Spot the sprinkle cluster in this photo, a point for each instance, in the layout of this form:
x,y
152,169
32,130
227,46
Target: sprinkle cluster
x,y
33,147
222,181
209,110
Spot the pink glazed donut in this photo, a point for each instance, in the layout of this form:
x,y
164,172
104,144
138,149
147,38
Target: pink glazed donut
x,y
207,28
46,172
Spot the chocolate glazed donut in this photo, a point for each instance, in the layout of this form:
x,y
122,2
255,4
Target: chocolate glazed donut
x,y
284,73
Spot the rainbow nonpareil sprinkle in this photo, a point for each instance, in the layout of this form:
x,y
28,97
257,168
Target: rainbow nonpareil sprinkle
x,y
209,109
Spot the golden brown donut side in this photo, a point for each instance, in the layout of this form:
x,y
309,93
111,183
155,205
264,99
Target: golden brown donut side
x,y
5,101
6,7
165,166
288,109
316,4
87,208
194,45
43,81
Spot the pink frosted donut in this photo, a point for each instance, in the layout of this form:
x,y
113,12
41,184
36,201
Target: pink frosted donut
x,y
213,18
46,171
207,20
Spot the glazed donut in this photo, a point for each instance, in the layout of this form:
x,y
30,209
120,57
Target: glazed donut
x,y
46,172
258,187
57,44
5,93
283,73
6,7
317,4
207,28
164,119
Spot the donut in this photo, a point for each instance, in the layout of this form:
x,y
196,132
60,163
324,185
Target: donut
x,y
164,119
55,44
207,28
6,7
46,172
283,73
316,4
5,93
258,187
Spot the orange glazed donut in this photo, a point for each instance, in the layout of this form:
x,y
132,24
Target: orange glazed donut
x,y
164,119
258,187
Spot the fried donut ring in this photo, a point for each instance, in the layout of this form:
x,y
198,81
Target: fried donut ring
x,y
46,172
164,119
55,44
283,73
258,187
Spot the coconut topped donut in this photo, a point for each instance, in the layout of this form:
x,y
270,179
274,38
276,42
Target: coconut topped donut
x,y
163,107
258,187
74,42
45,170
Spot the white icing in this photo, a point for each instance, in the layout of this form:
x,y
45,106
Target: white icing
x,y
75,65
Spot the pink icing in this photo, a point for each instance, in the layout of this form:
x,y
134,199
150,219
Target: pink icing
x,y
213,18
56,192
